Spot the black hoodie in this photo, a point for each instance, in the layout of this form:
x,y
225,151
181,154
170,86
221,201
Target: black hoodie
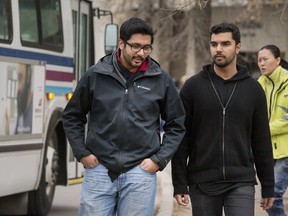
x,y
227,133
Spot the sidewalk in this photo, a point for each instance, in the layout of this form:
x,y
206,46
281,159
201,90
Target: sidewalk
x,y
166,205
164,202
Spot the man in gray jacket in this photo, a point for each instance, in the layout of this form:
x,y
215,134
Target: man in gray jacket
x,y
125,94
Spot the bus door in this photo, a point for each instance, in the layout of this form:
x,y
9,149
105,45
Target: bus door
x,y
83,58
21,123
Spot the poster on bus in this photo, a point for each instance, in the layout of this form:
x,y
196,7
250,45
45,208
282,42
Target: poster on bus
x,y
22,94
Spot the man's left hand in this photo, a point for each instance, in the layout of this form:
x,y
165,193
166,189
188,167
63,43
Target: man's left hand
x,y
148,165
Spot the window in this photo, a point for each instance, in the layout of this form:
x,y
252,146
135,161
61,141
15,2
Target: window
x,y
28,21
5,21
41,24
51,23
74,20
83,63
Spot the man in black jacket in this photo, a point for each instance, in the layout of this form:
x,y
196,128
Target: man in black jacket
x,y
125,94
227,133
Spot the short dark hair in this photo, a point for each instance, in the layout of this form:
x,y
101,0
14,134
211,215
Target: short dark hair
x,y
227,27
276,53
136,26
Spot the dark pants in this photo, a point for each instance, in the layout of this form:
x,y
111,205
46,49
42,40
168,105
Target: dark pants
x,y
236,202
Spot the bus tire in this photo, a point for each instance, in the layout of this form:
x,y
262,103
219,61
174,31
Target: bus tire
x,y
40,200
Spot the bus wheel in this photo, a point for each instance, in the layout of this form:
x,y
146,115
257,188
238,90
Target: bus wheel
x,y
40,200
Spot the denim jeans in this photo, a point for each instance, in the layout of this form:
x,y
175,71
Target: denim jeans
x,y
236,202
132,193
281,183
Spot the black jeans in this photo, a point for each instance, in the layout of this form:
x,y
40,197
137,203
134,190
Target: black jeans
x,y
236,202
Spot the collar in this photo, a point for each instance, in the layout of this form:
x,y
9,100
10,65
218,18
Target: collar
x,y
275,76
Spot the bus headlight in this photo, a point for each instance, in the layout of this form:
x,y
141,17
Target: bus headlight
x,y
68,96
50,95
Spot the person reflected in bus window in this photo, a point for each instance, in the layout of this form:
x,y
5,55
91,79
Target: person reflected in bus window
x,y
24,100
274,80
125,94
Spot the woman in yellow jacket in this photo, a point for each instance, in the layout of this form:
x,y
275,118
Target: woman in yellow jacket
x,y
274,80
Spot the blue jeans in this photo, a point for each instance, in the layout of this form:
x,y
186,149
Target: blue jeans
x,y
236,202
132,193
281,183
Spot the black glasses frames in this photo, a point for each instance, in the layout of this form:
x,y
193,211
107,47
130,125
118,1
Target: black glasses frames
x,y
137,47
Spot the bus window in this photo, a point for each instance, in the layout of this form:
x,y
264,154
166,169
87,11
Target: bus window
x,y
81,33
74,21
5,21
41,24
28,21
83,63
51,28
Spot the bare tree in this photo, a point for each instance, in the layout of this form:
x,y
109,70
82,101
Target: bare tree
x,y
182,40
182,27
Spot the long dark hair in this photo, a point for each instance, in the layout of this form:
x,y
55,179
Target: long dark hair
x,y
276,53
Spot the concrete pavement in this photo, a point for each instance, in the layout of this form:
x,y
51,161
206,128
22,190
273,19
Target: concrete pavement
x,y
164,199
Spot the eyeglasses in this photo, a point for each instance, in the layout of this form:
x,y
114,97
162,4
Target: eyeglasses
x,y
137,47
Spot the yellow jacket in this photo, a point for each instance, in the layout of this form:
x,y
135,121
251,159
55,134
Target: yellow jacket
x,y
276,90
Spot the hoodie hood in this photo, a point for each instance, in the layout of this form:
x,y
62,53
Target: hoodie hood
x,y
242,73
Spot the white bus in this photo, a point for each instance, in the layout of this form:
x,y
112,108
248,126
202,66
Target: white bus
x,y
45,47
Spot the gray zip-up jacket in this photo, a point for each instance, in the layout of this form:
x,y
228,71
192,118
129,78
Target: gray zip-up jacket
x,y
124,124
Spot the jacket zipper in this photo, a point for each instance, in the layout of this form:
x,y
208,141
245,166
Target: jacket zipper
x,y
223,142
223,122
126,96
122,140
270,99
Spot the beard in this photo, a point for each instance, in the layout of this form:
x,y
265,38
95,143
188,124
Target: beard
x,y
224,62
130,61
221,64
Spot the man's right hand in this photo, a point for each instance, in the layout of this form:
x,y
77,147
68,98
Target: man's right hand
x,y
89,161
266,203
182,199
